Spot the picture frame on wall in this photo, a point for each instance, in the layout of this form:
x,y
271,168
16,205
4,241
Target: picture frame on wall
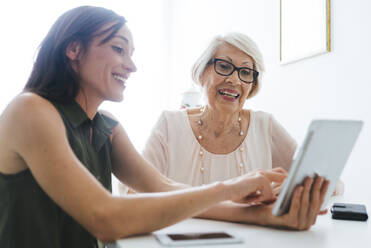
x,y
304,29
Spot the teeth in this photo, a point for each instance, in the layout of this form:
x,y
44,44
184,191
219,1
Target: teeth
x,y
228,94
118,77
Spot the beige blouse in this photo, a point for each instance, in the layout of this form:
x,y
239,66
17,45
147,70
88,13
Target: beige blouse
x,y
174,150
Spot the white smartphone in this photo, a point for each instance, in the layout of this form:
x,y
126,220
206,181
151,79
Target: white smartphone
x,y
197,238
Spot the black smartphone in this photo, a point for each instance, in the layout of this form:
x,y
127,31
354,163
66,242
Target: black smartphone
x,y
348,211
196,239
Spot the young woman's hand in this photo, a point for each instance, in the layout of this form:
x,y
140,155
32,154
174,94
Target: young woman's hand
x,y
255,187
277,186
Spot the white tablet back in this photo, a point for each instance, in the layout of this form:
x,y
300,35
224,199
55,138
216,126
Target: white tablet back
x,y
325,152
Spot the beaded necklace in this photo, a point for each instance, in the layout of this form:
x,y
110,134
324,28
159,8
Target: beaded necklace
x,y
240,165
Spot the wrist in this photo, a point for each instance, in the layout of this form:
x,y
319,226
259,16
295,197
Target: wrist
x,y
226,189
262,215
266,218
258,215
221,190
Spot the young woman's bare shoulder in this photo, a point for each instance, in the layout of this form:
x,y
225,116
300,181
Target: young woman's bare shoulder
x,y
26,122
28,107
28,101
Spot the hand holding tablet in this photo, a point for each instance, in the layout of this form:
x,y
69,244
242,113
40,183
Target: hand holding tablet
x,y
324,152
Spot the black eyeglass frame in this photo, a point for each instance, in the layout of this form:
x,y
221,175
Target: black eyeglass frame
x,y
235,68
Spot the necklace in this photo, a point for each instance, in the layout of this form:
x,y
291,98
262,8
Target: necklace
x,y
201,123
240,164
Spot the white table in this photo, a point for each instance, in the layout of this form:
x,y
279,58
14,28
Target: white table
x,y
325,233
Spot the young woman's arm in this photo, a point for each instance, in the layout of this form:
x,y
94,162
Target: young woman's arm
x,y
37,135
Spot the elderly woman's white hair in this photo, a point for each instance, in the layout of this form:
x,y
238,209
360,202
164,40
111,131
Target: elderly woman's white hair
x,y
241,42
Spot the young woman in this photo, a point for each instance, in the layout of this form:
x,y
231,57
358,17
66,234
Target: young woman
x,y
57,152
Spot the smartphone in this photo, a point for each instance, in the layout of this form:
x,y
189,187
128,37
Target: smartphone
x,y
197,238
347,211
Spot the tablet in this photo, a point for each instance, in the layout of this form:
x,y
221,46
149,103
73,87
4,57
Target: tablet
x,y
197,238
325,151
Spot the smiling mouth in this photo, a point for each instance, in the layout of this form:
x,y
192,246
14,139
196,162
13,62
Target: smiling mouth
x,y
119,78
228,94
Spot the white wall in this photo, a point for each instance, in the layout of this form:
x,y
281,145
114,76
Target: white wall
x,y
333,85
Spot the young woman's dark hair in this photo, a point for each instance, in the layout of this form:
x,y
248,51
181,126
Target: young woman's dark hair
x,y
52,75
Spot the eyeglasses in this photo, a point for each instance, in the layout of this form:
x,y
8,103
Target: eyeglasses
x,y
226,68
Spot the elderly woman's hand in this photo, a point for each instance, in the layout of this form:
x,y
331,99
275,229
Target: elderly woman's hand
x,y
305,206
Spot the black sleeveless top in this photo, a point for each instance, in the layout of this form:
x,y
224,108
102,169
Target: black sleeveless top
x,y
28,217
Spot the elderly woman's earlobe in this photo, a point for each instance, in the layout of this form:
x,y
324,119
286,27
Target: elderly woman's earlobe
x,y
201,80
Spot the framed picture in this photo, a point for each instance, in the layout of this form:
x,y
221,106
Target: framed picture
x,y
305,29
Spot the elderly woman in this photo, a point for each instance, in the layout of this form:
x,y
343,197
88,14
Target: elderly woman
x,y
221,139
